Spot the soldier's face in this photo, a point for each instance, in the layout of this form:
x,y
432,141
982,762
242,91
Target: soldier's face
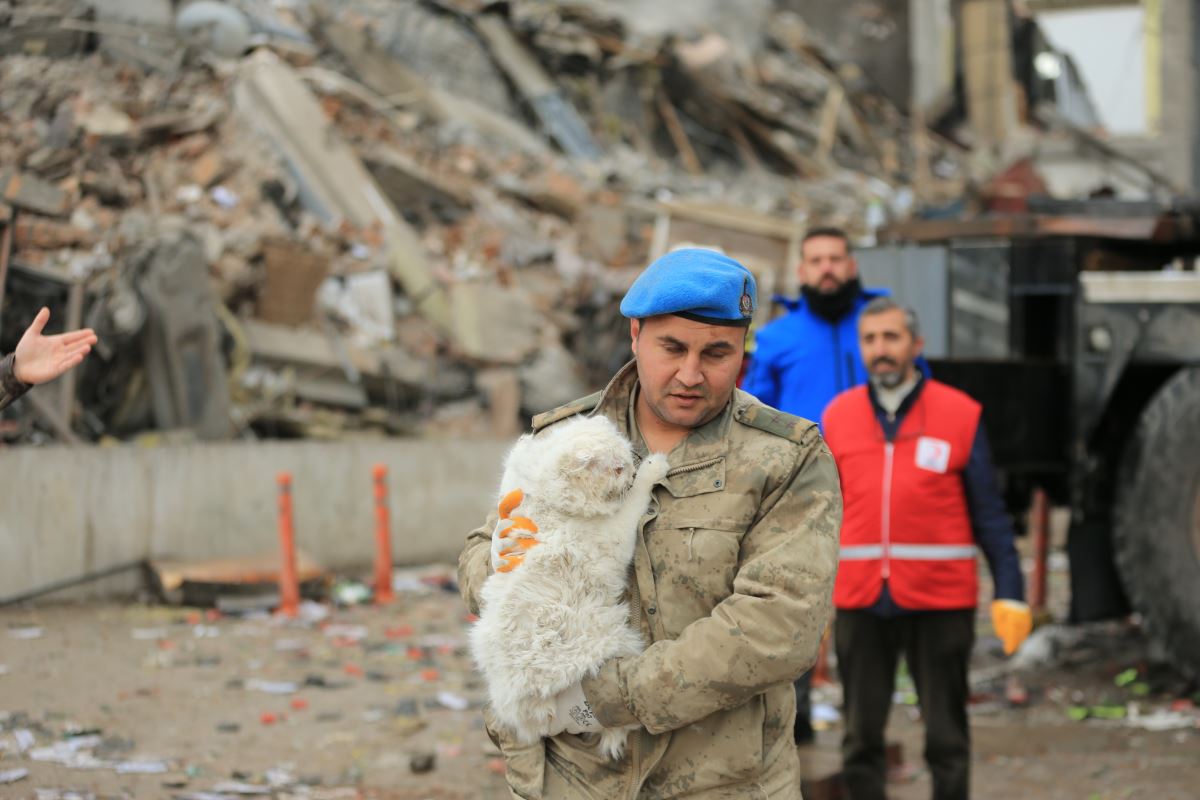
x,y
826,264
889,349
687,369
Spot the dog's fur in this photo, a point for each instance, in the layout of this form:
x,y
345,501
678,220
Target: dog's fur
x,y
558,616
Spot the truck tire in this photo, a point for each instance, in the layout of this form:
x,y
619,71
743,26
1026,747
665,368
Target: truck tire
x,y
1156,535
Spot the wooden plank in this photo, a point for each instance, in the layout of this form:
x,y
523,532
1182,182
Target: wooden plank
x,y
734,218
678,135
261,568
559,118
830,111
1028,225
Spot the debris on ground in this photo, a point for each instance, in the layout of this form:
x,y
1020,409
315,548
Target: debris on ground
x,y
324,208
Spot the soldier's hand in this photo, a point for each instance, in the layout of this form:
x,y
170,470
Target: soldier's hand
x,y
512,536
573,713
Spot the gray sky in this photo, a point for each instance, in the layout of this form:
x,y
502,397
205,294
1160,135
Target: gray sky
x,y
1107,46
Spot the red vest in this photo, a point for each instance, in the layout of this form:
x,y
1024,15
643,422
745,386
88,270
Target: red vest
x,y
906,519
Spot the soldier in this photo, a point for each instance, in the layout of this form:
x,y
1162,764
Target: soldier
x,y
39,358
805,358
732,572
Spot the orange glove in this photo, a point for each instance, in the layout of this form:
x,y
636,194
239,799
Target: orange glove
x,y
513,536
1012,620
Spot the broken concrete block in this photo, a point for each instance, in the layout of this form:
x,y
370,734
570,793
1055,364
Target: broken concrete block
x,y
550,379
493,324
22,190
40,233
207,169
37,29
502,388
106,122
412,187
183,358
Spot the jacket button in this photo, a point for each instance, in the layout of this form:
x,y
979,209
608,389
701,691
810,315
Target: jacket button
x,y
652,511
717,483
651,610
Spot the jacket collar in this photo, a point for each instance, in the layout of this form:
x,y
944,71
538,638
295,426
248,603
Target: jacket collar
x,y
905,405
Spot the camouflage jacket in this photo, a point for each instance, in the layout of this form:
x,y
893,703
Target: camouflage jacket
x,y
731,585
10,387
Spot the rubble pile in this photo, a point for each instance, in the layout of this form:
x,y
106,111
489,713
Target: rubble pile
x,y
322,219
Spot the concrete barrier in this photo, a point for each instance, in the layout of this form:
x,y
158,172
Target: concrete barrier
x,y
67,511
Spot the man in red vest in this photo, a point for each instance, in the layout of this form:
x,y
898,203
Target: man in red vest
x,y
920,501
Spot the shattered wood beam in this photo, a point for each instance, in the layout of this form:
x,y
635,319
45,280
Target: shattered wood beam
x,y
377,70
745,149
46,410
830,113
805,167
677,133
557,115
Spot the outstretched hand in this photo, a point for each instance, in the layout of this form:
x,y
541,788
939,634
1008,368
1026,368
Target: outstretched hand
x,y
39,358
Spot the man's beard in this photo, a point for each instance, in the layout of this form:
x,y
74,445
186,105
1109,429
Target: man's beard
x,y
832,306
886,380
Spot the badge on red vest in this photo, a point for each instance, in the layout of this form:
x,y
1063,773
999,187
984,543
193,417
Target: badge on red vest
x,y
933,454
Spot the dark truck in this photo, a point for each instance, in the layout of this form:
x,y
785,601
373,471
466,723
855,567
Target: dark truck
x,y
1078,328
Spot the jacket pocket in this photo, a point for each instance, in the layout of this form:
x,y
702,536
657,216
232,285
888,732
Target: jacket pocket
x,y
694,568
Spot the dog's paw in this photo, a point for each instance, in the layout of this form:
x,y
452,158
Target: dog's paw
x,y
654,468
612,742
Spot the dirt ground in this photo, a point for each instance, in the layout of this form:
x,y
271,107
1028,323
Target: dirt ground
x,y
169,702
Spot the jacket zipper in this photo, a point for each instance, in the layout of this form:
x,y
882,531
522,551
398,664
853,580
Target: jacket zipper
x,y
693,467
886,518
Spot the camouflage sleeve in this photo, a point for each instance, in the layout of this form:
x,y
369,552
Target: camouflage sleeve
x,y
765,633
475,562
10,387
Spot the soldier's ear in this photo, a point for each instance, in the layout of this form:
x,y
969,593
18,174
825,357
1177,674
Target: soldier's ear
x,y
635,328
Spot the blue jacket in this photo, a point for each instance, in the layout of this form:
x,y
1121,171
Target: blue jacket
x,y
802,361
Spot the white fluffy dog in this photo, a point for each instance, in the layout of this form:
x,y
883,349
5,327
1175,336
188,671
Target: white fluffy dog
x,y
558,616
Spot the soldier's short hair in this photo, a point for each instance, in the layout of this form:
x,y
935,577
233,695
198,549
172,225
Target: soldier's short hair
x,y
882,304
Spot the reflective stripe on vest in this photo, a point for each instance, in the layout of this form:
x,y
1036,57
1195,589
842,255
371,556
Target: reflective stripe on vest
x,y
908,552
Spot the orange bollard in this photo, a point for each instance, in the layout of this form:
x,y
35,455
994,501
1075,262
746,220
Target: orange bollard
x,y
289,587
383,539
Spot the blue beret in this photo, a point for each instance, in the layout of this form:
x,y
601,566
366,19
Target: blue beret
x,y
697,284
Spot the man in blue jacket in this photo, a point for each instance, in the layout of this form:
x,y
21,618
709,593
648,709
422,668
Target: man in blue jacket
x,y
804,359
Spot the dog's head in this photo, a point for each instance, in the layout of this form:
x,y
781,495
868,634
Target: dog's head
x,y
586,466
